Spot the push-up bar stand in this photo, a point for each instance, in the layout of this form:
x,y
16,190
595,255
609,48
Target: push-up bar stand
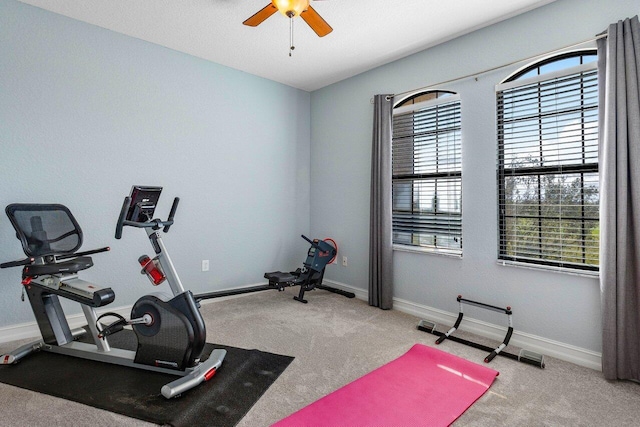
x,y
524,356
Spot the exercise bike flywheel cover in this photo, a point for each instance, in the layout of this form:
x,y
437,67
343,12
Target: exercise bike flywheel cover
x,y
139,310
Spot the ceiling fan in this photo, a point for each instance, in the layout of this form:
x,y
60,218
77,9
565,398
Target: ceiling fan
x,y
291,9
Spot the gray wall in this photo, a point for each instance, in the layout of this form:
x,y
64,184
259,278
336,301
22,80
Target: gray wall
x,y
555,306
85,113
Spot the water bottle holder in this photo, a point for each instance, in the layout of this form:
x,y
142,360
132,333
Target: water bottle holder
x,y
152,269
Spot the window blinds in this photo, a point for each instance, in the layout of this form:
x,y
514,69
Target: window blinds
x,y
427,186
548,190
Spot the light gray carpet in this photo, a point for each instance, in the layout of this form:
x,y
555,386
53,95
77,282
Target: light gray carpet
x,y
336,340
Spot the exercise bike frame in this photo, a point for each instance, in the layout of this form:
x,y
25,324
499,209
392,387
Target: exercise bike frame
x,y
44,290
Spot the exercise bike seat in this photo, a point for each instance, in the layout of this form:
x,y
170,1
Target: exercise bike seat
x,y
72,266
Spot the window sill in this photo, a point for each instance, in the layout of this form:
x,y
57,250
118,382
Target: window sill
x,y
427,251
548,268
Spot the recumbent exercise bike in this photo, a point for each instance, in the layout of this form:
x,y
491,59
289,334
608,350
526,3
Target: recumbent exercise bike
x,y
170,330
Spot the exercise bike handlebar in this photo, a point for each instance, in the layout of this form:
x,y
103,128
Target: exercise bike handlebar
x,y
30,260
123,214
156,224
172,213
77,254
17,263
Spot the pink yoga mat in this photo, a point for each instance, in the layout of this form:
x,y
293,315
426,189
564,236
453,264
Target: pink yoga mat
x,y
423,387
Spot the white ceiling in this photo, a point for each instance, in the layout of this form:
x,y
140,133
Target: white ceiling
x,y
366,33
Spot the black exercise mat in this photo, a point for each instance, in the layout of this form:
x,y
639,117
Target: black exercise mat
x,y
241,380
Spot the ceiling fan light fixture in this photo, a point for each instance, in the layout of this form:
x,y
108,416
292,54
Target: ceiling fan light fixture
x,y
291,8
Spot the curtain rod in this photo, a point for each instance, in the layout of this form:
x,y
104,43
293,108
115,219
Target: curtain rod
x,y
599,36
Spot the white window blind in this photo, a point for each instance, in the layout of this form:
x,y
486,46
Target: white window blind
x,y
427,176
548,192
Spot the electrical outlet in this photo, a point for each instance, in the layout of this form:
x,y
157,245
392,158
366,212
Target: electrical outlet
x,y
205,265
344,261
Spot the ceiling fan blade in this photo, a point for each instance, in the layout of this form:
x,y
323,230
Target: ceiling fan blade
x,y
261,15
316,22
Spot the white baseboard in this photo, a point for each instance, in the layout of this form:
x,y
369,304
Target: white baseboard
x,y
567,352
579,356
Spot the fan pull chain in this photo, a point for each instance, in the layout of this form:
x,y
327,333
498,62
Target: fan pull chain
x,y
291,46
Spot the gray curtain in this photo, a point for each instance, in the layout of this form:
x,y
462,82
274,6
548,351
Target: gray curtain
x,y
380,233
618,66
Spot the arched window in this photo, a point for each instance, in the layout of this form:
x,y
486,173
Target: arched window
x,y
427,172
548,193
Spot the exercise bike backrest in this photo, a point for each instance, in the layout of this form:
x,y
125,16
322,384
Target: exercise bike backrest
x,y
49,233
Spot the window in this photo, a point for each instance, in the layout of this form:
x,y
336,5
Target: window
x,y
548,191
427,177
